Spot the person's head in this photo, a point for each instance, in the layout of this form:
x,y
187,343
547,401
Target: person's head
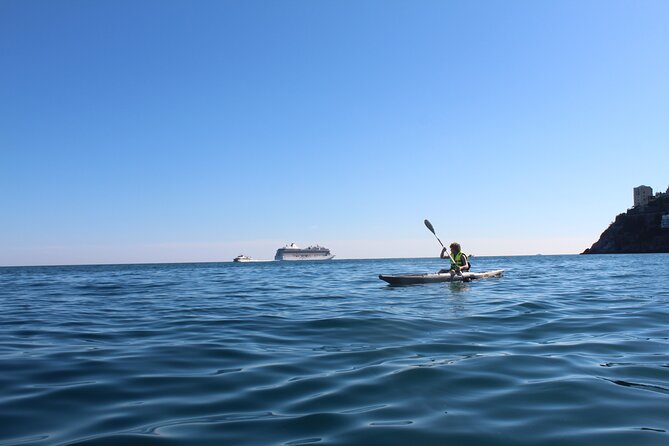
x,y
455,247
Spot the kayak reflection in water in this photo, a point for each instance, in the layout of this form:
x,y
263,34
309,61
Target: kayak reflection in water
x,y
459,261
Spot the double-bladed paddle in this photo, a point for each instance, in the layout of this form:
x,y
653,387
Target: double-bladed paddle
x,y
431,228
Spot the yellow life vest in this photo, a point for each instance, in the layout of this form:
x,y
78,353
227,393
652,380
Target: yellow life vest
x,y
459,260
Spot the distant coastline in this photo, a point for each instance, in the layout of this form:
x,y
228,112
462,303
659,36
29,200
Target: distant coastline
x,y
642,229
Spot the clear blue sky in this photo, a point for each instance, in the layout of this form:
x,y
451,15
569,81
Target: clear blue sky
x,y
149,131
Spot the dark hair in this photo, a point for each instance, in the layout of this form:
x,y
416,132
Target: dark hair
x,y
455,245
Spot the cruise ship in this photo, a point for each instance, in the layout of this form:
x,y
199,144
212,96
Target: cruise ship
x,y
294,252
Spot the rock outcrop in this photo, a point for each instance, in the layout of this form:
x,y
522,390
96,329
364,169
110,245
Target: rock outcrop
x,y
638,230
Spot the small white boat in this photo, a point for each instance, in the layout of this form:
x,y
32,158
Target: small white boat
x,y
242,258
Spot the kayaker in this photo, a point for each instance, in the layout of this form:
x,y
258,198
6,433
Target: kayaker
x,y
461,261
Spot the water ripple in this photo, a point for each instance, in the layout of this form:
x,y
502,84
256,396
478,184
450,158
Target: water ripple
x,y
325,353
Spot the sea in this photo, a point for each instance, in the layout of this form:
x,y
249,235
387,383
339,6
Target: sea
x,y
560,350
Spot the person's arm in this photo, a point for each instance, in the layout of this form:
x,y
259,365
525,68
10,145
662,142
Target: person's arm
x,y
444,253
466,266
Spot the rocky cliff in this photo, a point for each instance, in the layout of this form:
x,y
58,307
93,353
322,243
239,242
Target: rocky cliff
x,y
636,231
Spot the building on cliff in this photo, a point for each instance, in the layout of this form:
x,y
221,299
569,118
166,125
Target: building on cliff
x,y
642,229
642,195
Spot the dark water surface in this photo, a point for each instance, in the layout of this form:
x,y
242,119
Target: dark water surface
x,y
561,350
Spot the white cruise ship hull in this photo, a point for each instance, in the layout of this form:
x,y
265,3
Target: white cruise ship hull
x,y
303,257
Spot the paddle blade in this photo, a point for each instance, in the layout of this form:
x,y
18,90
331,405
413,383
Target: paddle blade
x,y
429,226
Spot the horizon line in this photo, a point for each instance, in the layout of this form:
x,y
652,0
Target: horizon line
x,y
203,262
